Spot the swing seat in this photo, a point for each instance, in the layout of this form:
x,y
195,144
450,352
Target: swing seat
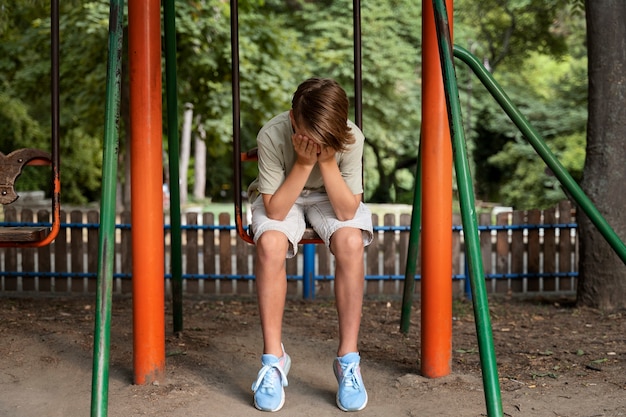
x,y
23,234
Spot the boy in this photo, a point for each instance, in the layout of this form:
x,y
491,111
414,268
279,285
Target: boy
x,y
310,166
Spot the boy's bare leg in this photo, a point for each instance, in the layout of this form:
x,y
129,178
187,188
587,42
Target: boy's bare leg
x,y
271,282
347,246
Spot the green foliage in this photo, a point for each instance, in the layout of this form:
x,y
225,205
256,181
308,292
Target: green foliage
x,y
538,47
506,31
551,92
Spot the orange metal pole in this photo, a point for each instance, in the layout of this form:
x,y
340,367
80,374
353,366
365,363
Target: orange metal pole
x,y
436,208
144,42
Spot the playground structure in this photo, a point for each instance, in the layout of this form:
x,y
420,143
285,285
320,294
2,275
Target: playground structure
x,y
434,181
145,105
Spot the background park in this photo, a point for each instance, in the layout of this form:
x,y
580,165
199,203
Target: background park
x,y
560,61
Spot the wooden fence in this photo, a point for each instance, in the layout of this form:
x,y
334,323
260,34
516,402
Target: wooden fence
x,y
522,252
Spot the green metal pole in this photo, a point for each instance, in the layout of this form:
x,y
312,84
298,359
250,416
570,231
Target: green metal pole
x,y
173,145
413,249
544,152
106,245
489,368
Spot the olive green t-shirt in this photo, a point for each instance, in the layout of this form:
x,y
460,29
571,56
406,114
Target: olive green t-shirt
x,y
277,157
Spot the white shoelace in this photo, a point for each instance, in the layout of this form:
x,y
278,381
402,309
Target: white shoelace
x,y
349,376
265,378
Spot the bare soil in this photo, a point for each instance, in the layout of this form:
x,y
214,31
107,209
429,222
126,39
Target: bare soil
x,y
553,360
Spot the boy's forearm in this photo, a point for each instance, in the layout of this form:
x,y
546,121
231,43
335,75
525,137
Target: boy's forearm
x,y
344,202
277,205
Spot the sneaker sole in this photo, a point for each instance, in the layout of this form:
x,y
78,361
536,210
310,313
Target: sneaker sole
x,y
342,408
282,403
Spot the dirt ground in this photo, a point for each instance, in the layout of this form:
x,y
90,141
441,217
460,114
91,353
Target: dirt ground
x,y
553,360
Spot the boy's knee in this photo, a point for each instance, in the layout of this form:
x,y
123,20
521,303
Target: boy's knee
x,y
347,241
272,245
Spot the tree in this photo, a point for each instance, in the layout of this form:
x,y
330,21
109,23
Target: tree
x,y
602,281
538,48
507,31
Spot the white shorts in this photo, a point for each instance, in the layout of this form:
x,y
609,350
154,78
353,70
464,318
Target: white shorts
x,y
311,208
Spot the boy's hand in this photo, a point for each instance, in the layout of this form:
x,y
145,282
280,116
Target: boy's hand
x,y
306,149
326,154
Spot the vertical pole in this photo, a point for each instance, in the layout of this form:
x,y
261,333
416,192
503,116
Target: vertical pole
x,y
436,152
169,12
106,237
308,271
489,368
144,43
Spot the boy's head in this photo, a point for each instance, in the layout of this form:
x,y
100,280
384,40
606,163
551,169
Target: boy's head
x,y
320,109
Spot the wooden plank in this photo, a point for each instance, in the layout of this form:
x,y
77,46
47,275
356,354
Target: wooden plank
x,y
389,254
502,252
487,249
29,283
191,260
566,248
10,254
549,247
208,253
61,251
372,267
226,285
534,250
23,233
93,247
517,252
20,233
403,242
77,250
242,260
43,257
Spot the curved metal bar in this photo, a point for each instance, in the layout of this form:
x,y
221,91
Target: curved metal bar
x,y
537,142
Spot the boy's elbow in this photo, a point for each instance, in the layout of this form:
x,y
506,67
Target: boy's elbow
x,y
272,215
346,215
277,218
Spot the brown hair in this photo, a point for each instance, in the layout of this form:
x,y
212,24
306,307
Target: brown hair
x,y
320,106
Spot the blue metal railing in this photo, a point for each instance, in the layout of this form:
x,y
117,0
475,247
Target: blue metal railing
x,y
314,277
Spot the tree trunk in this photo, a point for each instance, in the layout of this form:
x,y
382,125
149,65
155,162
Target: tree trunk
x,y
602,282
199,172
185,151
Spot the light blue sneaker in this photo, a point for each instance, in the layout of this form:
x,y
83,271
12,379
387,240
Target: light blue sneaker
x,y
269,392
351,395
